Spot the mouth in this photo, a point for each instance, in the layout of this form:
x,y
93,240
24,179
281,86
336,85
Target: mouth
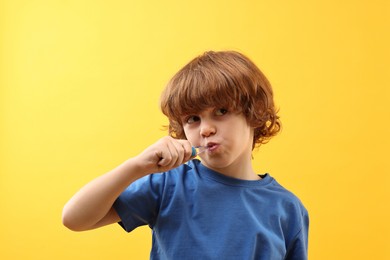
x,y
209,147
212,146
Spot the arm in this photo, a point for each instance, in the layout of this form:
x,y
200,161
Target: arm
x,y
91,207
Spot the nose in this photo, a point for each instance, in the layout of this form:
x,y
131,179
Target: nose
x,y
207,128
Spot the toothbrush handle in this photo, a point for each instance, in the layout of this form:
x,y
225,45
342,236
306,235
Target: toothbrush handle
x,y
193,152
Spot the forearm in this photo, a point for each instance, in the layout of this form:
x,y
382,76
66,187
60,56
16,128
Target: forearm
x,y
91,206
94,201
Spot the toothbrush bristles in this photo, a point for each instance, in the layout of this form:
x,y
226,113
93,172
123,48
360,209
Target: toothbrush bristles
x,y
200,149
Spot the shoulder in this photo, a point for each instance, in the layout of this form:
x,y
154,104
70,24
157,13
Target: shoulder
x,y
286,204
293,214
284,195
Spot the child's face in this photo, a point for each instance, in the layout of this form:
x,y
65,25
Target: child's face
x,y
227,135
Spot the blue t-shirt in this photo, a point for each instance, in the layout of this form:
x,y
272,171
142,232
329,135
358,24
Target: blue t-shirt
x,y
197,213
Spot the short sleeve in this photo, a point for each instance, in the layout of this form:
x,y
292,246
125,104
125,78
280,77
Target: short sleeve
x,y
139,203
299,245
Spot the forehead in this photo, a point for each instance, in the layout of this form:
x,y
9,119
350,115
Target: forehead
x,y
206,110
195,106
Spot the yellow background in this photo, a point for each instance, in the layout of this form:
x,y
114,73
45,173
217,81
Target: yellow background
x,y
80,84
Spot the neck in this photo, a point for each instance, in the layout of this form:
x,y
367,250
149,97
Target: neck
x,y
239,171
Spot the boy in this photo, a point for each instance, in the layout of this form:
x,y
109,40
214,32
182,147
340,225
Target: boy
x,y
216,208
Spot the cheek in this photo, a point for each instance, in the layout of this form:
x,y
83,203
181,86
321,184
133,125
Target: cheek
x,y
188,134
245,133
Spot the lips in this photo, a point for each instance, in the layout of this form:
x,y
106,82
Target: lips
x,y
212,146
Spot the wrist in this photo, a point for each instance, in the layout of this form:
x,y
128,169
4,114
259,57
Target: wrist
x,y
136,167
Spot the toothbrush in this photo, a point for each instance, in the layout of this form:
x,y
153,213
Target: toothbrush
x,y
198,150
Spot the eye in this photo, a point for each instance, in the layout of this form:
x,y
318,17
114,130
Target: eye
x,y
191,119
221,111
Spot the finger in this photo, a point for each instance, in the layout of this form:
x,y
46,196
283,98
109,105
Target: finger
x,y
174,152
188,153
180,151
170,153
165,158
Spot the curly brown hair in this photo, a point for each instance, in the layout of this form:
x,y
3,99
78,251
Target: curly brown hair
x,y
224,79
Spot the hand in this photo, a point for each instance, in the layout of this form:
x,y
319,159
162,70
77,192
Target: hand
x,y
167,153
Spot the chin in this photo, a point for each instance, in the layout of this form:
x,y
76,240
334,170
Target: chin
x,y
216,165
